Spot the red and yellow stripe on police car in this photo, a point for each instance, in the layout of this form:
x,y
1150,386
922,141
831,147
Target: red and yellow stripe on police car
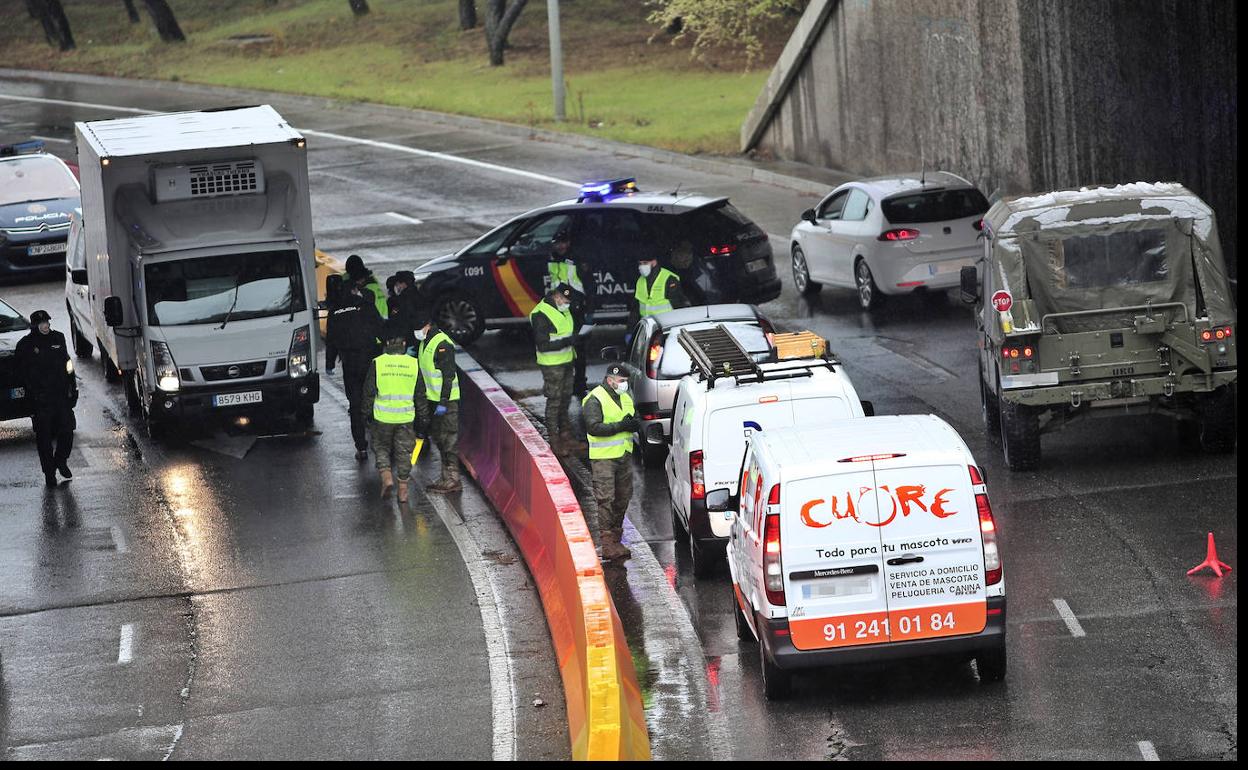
x,y
895,626
519,296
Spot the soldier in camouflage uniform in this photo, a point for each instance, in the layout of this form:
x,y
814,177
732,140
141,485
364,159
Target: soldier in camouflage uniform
x,y
610,421
437,402
554,336
390,397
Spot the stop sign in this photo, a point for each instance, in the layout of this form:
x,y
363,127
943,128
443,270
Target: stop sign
x,y
1002,301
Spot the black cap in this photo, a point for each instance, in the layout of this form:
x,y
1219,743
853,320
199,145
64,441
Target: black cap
x,y
617,370
405,276
562,290
355,266
39,316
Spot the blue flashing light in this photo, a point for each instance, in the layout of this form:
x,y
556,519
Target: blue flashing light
x,y
600,190
34,145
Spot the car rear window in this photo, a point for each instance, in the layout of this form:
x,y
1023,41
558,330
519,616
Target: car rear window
x,y
676,362
719,223
935,206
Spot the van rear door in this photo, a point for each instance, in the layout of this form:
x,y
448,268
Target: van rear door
x,y
833,559
933,558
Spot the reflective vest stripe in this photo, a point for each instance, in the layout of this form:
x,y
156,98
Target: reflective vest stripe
x,y
563,331
565,272
396,386
431,373
654,301
616,445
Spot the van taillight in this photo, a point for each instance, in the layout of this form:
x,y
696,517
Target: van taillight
x,y
976,477
988,531
773,570
696,477
773,497
899,234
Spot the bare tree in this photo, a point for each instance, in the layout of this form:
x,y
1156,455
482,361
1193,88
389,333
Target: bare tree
x,y
166,22
500,17
467,14
131,11
51,15
359,7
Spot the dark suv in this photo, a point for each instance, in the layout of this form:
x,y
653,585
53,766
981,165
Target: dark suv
x,y
720,255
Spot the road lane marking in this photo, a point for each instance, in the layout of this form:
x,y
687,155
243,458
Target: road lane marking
x,y
1148,752
50,139
125,651
502,694
119,540
405,218
1072,622
329,135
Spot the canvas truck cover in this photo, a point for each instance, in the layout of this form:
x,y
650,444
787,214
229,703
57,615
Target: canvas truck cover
x,y
1106,247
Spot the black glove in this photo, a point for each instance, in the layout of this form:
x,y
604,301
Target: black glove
x,y
630,424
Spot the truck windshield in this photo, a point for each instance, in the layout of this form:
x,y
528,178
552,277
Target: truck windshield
x,y
235,286
11,320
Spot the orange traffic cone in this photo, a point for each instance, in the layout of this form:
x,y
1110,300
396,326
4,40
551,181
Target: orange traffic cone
x,y
1211,561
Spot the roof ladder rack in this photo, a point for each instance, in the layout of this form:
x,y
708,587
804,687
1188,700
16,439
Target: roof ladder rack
x,y
716,353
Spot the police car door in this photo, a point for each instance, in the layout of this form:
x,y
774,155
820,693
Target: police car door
x,y
611,240
933,559
522,275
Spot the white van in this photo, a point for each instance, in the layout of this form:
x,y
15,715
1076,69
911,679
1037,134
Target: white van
x,y
728,397
869,540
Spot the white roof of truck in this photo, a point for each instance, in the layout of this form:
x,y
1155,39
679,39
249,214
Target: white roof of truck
x,y
815,451
180,131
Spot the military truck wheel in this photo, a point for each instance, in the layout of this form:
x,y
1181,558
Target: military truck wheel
x,y
460,316
1020,436
1217,421
801,274
869,297
989,406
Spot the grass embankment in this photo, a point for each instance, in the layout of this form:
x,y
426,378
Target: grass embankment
x,y
412,54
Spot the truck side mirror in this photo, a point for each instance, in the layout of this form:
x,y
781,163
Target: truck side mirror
x,y
868,408
654,434
719,500
78,276
970,284
809,215
112,312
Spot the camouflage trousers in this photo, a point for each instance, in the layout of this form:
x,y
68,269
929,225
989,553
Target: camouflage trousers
x,y
557,388
444,434
393,444
613,489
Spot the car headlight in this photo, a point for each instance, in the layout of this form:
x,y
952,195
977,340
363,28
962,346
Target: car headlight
x,y
300,352
167,378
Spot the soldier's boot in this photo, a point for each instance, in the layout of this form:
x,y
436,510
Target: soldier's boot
x,y
387,483
403,483
621,551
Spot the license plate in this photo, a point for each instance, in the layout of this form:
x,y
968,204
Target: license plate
x,y
756,266
17,393
831,589
46,248
951,266
234,399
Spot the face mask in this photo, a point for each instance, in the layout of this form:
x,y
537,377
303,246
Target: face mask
x,y
644,270
621,386
421,334
562,307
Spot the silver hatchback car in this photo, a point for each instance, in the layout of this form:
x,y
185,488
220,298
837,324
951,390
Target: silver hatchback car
x,y
658,361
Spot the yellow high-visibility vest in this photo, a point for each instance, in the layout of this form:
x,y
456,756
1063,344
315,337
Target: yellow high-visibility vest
x,y
563,331
396,384
431,373
654,301
616,445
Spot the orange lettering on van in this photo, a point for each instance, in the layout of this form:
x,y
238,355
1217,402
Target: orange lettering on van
x,y
901,499
910,494
939,503
807,520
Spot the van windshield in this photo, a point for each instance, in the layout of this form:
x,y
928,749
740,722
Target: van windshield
x,y
236,287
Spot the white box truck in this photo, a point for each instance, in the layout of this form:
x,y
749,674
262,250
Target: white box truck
x,y
199,262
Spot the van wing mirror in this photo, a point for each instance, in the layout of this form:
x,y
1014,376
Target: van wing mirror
x,y
809,215
719,500
112,312
654,434
970,284
79,276
868,408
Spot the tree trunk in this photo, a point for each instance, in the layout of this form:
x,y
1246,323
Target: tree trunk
x,y
166,22
359,7
55,25
467,14
131,11
500,17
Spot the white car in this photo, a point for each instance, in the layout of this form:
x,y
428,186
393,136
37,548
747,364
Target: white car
x,y
715,413
865,541
889,235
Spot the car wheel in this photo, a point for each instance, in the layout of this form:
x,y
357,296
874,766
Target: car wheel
x,y
743,629
111,372
777,683
801,274
460,316
704,561
678,526
1020,436
1217,421
989,406
869,297
82,348
991,664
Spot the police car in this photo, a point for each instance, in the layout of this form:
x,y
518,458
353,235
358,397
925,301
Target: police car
x,y
38,196
13,402
719,254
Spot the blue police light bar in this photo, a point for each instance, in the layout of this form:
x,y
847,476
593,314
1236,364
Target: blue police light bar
x,y
34,145
609,187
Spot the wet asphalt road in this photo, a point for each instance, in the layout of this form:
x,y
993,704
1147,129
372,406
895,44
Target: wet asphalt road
x,y
1109,524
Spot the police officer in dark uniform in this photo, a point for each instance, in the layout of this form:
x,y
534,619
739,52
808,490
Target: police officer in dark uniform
x,y
52,389
407,310
352,332
565,267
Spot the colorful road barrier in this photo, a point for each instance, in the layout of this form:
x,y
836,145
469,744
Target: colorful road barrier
x,y
523,479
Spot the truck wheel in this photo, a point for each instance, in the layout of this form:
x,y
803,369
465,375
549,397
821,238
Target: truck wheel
x,y
991,664
869,297
1217,421
82,348
777,683
801,274
131,386
461,317
743,629
1020,436
989,406
111,372
704,561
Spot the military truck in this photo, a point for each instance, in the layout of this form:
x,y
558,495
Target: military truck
x,y
1102,301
